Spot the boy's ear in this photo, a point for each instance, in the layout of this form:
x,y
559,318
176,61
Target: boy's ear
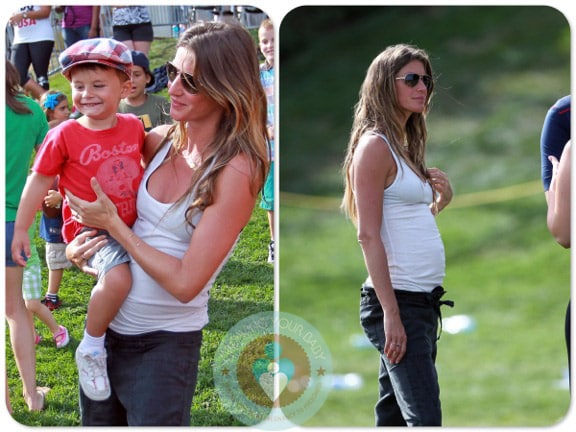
x,y
126,88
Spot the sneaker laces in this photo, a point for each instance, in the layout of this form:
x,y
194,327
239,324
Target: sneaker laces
x,y
95,368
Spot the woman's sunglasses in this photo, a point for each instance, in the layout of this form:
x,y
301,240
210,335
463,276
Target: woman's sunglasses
x,y
187,79
411,80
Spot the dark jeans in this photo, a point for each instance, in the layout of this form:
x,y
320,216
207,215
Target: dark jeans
x,y
74,34
152,377
409,394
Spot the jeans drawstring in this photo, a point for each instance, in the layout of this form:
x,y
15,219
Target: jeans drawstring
x,y
434,299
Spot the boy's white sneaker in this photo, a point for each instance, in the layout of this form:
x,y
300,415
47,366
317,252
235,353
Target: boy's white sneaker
x,y
93,375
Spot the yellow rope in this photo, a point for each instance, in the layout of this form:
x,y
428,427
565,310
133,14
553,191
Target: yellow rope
x,y
472,199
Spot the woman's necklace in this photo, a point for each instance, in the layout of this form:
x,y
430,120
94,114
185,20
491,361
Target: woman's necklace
x,y
193,159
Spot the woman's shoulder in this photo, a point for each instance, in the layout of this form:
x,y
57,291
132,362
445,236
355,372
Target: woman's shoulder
x,y
373,151
153,141
33,105
241,173
242,163
158,133
374,143
30,122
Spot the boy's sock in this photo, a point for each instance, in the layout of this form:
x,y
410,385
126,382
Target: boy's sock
x,y
53,297
91,344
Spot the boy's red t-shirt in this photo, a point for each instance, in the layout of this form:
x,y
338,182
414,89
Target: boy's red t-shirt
x,y
113,156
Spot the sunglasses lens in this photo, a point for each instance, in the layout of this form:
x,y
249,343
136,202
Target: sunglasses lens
x,y
411,79
187,79
427,81
171,71
188,82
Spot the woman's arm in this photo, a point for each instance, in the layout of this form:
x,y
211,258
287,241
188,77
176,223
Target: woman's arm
x,y
41,13
558,197
213,237
373,169
95,24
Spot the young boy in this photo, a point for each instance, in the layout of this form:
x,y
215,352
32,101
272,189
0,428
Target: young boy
x,y
152,110
101,144
266,45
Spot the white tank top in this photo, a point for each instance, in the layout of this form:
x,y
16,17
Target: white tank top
x,y
148,306
409,232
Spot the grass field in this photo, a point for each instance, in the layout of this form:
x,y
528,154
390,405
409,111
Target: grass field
x,y
498,70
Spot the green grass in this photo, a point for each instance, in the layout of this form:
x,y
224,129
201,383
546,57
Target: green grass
x,y
498,70
501,374
244,287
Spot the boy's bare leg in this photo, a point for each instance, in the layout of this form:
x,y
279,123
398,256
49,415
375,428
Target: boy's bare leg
x,y
106,299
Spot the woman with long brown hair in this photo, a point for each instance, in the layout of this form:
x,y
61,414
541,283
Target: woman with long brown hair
x,y
392,198
197,194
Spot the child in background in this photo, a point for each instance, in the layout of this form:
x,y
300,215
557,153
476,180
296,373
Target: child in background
x,y
32,293
55,106
152,110
266,45
51,232
101,144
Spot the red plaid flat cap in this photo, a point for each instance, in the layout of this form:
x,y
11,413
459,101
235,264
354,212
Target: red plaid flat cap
x,y
104,51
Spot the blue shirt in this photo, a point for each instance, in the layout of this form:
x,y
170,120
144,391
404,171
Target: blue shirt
x,y
555,135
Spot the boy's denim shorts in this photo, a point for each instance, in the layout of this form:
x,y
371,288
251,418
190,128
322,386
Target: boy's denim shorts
x,y
109,256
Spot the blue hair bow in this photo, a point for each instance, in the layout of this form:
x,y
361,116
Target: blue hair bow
x,y
51,101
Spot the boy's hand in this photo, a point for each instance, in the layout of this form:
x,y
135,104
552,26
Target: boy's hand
x,y
84,245
20,247
53,199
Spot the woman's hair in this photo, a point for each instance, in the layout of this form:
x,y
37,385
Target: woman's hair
x,y
13,91
227,71
50,100
378,110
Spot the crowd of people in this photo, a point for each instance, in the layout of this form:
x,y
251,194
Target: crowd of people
x,y
99,178
136,188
